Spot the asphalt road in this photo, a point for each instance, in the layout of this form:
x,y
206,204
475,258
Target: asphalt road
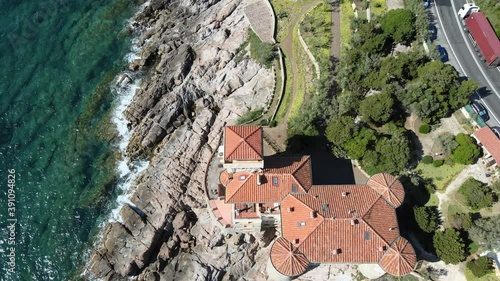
x,y
451,35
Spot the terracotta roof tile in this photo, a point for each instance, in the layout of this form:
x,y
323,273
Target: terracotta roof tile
x,y
296,219
243,143
490,142
389,187
330,202
381,217
287,259
353,223
225,177
354,243
298,166
275,183
400,259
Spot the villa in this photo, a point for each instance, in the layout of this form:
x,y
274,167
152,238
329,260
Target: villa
x,y
318,223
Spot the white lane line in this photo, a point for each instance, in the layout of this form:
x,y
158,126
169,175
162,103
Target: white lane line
x,y
473,55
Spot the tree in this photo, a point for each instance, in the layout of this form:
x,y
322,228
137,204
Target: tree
x,y
426,218
486,233
446,143
340,129
467,150
358,145
480,266
399,24
461,93
394,153
477,195
377,108
449,246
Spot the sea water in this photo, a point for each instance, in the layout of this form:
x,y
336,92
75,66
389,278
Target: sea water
x,y
58,151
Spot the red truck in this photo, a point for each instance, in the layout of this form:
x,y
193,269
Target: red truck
x,y
481,33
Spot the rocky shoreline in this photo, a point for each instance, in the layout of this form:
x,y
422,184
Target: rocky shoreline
x,y
198,81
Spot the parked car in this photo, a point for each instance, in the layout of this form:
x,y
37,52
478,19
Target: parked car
x,y
480,110
443,54
496,131
432,32
427,3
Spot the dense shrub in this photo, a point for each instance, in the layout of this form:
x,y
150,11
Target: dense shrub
x,y
446,143
438,163
449,246
467,150
460,221
424,129
426,218
485,232
263,53
427,159
250,116
480,267
476,194
399,24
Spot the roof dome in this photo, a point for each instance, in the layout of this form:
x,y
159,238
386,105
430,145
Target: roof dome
x,y
400,258
287,259
389,187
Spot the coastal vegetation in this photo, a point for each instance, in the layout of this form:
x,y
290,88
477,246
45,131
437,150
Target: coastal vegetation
x,y
263,53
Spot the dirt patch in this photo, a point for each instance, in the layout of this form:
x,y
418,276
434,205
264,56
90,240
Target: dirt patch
x,y
395,4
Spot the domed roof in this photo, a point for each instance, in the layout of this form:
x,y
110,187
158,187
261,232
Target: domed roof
x,y
389,187
400,258
287,259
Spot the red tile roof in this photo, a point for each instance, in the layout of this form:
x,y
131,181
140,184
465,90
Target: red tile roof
x,y
275,183
490,142
348,223
287,259
389,187
400,259
243,143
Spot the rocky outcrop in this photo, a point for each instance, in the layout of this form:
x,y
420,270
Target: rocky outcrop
x,y
192,89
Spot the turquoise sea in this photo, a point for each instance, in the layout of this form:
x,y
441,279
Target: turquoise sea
x,y
57,60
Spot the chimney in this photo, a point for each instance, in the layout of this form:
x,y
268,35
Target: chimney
x,y
381,248
297,241
290,209
354,222
350,211
344,194
335,252
258,179
313,214
391,228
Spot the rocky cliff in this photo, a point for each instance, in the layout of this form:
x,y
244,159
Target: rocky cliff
x,y
194,87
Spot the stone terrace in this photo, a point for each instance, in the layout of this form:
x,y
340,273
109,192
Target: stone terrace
x,y
261,17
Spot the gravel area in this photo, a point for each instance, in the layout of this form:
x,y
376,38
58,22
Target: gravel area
x,y
395,4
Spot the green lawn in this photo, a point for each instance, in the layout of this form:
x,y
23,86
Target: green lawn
x,y
346,13
441,176
285,11
433,201
301,60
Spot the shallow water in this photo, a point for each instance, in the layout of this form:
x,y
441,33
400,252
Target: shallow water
x,y
57,59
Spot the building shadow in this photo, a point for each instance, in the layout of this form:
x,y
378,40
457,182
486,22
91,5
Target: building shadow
x,y
326,168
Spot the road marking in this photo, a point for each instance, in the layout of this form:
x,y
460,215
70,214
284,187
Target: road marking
x,y
473,55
